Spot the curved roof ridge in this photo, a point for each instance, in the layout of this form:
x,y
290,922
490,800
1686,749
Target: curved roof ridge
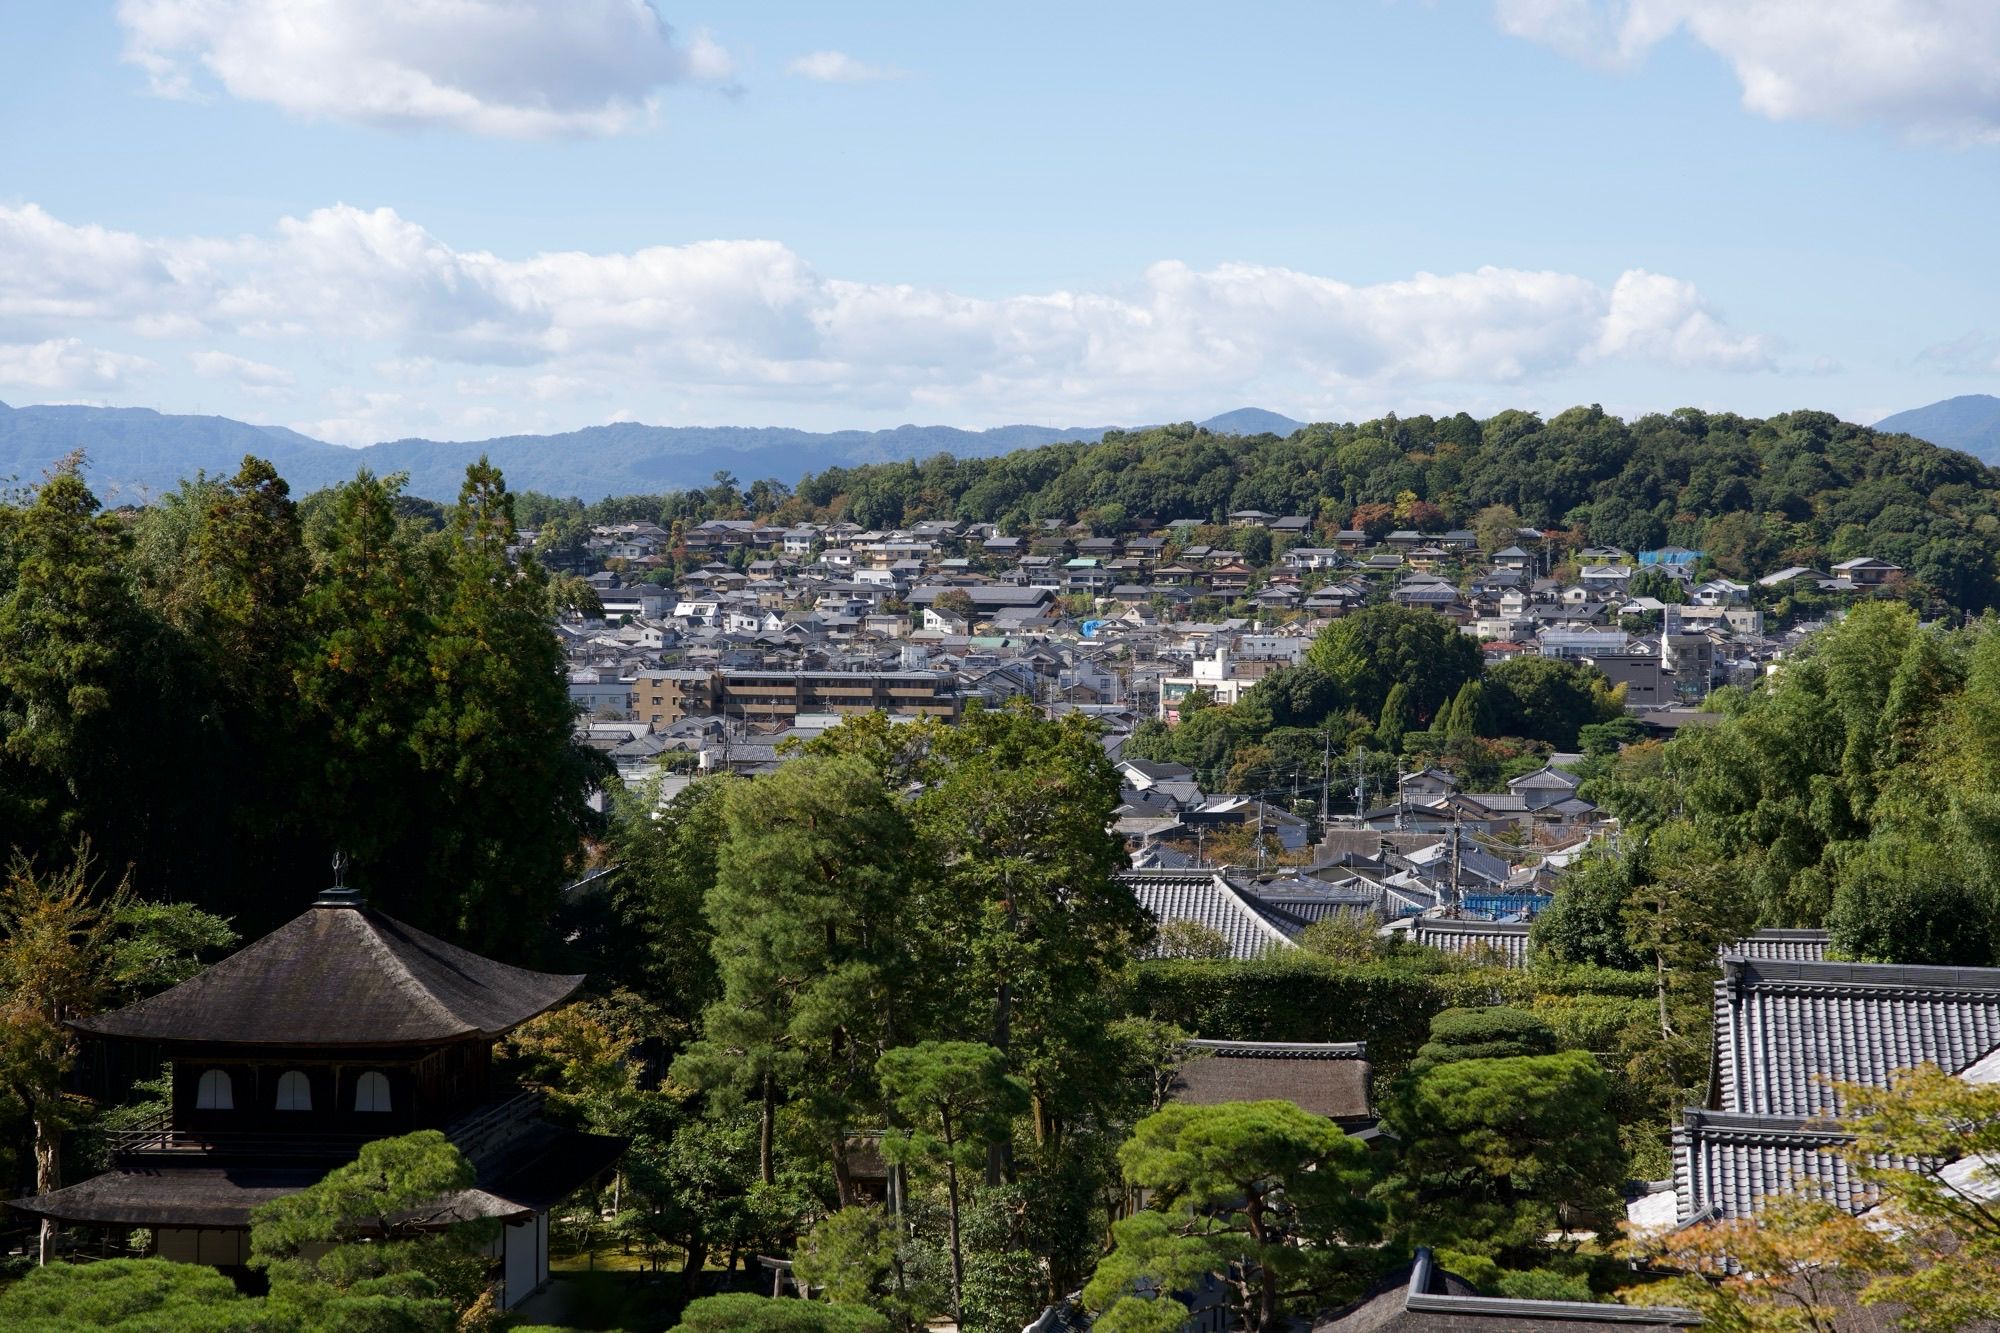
x,y
341,976
407,982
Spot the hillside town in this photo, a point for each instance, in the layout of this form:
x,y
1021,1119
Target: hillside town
x,y
774,634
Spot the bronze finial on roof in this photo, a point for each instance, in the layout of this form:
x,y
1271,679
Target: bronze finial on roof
x,y
339,895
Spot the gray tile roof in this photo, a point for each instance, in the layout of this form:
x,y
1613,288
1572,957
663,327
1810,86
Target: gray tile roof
x,y
1782,1029
1507,939
1207,898
1427,1299
1724,1164
1784,946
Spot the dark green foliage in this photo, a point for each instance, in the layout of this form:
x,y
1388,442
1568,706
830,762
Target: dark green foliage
x,y
1586,922
649,933
1367,654
738,1312
1549,699
1800,486
1899,901
127,1296
222,689
1499,1152
1493,1033
1398,716
1298,696
1293,997
1264,1197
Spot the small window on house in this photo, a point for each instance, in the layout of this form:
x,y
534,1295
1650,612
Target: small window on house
x,y
371,1092
214,1092
294,1092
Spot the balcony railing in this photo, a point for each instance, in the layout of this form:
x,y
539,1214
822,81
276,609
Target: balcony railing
x,y
159,1138
482,1128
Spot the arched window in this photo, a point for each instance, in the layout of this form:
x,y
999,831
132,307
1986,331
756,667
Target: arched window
x,y
294,1092
371,1092
214,1092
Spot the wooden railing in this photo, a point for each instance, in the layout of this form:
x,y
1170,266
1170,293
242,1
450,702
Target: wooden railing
x,y
474,1133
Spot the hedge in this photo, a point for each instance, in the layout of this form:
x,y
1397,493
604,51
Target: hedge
x,y
1294,996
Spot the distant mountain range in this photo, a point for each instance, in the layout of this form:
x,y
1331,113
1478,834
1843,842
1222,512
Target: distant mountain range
x,y
136,453
1970,422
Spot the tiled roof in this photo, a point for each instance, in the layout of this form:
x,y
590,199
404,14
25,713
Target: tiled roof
x,y
1724,1164
1508,939
1427,1299
1783,1029
1207,898
1784,946
1325,1078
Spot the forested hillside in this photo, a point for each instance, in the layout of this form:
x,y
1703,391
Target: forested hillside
x,y
1804,487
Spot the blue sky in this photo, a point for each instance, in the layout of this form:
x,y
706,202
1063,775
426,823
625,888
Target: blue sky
x,y
371,218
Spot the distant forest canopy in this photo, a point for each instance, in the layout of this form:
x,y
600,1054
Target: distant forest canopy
x,y
1756,494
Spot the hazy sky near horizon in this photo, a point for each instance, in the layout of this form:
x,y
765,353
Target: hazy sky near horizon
x,y
366,219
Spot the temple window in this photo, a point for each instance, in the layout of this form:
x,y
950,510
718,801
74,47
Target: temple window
x,y
294,1092
371,1092
214,1092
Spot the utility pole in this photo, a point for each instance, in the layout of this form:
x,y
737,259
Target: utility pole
x,y
1325,779
1454,860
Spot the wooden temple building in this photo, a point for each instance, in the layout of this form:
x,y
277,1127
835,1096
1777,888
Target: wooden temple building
x,y
341,1026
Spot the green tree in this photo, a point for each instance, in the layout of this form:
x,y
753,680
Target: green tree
x,y
1549,699
807,911
64,637
126,1296
1586,921
1298,696
1495,1033
1471,714
494,739
955,1098
1496,527
859,1256
653,936
1378,647
1398,717
739,1312
1266,1198
377,1242
1497,1153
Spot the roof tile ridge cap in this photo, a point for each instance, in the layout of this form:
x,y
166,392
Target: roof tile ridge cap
x,y
1256,915
404,979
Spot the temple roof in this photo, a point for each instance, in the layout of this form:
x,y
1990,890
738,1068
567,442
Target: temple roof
x,y
532,1177
1325,1078
341,975
1425,1297
1785,1030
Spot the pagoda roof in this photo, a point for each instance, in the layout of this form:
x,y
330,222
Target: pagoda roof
x,y
340,974
530,1178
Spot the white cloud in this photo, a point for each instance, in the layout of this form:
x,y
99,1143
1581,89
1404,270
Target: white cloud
x,y
64,364
250,374
1970,354
1929,67
839,67
514,68
751,322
